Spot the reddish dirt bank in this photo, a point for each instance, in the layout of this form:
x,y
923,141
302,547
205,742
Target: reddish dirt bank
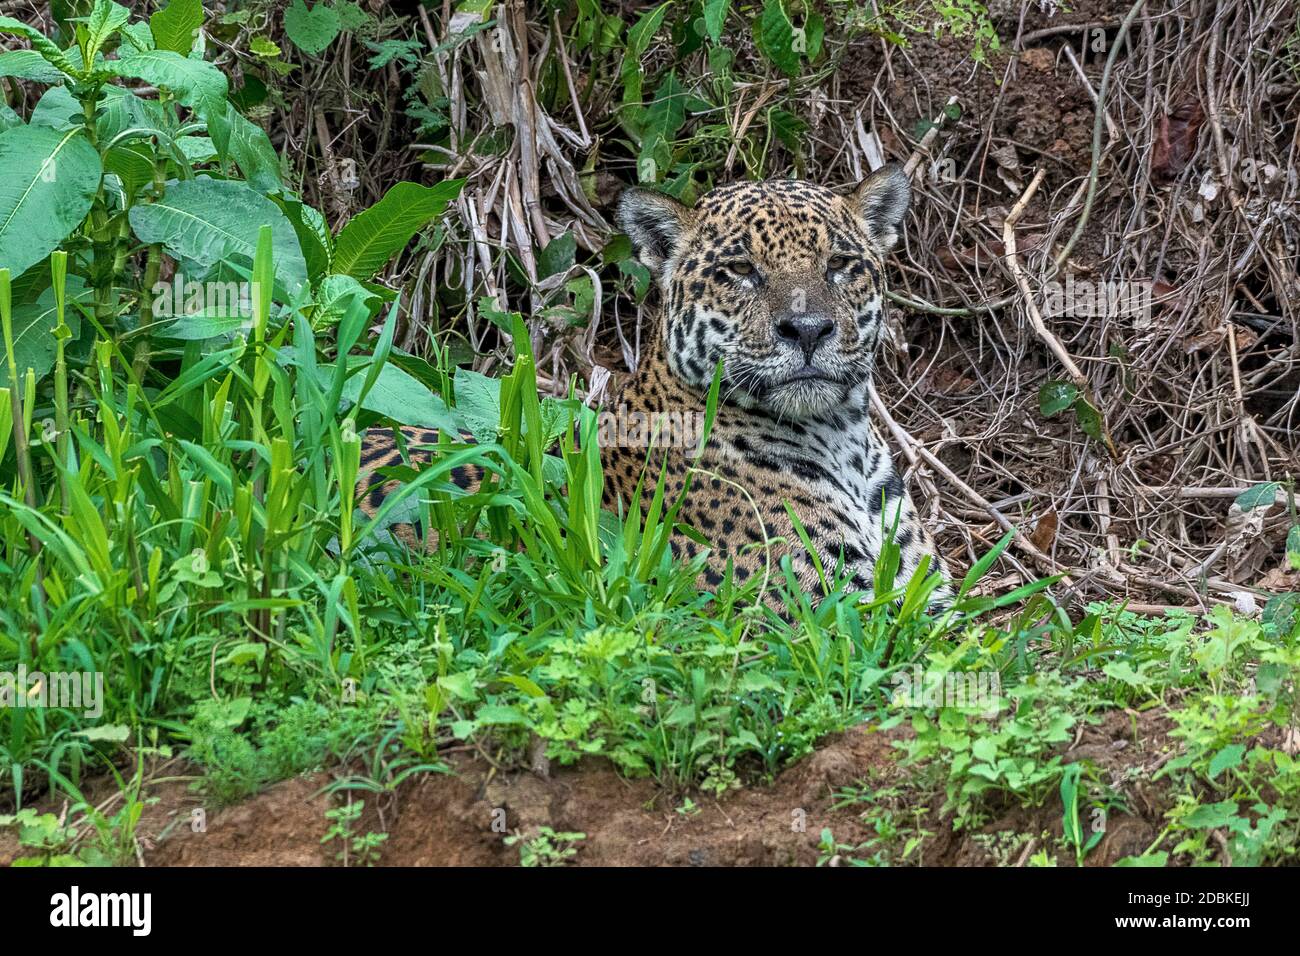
x,y
448,819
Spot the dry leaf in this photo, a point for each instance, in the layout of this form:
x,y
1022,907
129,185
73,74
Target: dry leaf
x,y
1044,532
1175,140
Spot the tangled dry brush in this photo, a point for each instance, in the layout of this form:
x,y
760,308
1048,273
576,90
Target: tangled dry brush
x,y
1106,215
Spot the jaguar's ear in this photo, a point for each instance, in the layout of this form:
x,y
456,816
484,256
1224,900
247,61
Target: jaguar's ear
x,y
882,199
654,222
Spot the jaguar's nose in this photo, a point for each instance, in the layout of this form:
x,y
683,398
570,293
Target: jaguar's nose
x,y
807,330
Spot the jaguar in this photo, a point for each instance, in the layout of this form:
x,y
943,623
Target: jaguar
x,y
778,287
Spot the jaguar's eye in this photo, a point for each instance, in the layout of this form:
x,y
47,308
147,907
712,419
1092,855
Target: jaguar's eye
x,y
740,267
836,263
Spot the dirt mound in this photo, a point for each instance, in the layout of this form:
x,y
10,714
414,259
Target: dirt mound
x,y
281,827
462,818
634,822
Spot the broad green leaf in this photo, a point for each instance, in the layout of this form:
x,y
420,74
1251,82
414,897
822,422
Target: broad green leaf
x,y
814,27
197,149
639,275
986,749
1258,496
252,151
774,34
789,129
499,715
1123,671
119,110
1089,418
639,38
352,17
50,179
1293,547
753,681
59,109
246,652
664,117
1270,678
1211,816
524,684
459,685
313,235
104,20
373,237
1281,612
311,29
264,47
176,25
204,326
109,733
223,292
1055,397
478,403
29,65
40,43
1227,758
337,296
397,395
136,38
715,14
558,256
229,713
196,83
720,60
34,323
206,220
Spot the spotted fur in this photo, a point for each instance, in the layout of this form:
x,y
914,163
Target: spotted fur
x,y
385,448
782,282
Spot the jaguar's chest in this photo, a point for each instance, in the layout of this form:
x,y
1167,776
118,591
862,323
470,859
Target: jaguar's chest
x,y
837,477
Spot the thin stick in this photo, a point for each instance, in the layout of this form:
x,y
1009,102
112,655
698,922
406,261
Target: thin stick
x,y
1018,273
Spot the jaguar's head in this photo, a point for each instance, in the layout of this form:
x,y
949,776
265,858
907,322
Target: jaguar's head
x,y
782,281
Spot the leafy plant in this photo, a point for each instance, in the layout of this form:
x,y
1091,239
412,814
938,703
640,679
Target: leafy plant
x,y
355,849
1055,397
43,838
1015,754
127,185
547,848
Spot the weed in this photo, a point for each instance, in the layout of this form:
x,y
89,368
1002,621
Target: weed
x,y
547,848
354,849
